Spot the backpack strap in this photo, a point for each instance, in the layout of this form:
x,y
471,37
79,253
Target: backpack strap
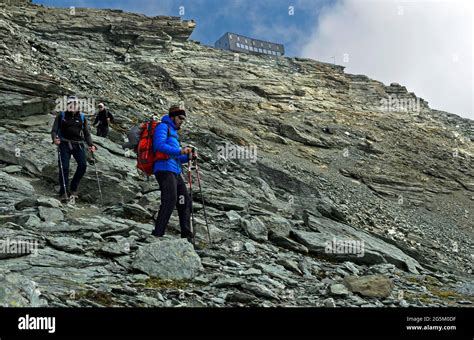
x,y
61,118
83,116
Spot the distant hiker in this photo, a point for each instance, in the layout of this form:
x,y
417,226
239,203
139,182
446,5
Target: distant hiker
x,y
167,171
69,132
102,120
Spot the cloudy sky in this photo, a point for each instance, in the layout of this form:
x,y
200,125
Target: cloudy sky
x,y
425,45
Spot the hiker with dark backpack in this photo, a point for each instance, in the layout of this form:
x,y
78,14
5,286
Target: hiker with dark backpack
x,y
102,121
167,169
69,132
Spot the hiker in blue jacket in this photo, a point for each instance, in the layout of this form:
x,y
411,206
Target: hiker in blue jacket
x,y
168,173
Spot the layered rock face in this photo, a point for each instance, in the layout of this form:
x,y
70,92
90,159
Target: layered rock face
x,y
321,188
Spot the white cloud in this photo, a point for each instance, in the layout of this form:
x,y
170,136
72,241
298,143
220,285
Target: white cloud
x,y
426,46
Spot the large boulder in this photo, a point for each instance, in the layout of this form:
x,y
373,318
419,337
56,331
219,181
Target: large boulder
x,y
50,214
168,259
277,225
18,291
343,242
12,190
378,286
255,229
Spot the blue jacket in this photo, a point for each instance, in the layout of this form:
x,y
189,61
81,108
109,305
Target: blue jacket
x,y
168,144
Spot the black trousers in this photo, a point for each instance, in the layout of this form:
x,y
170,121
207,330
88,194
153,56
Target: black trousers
x,y
102,130
173,194
66,151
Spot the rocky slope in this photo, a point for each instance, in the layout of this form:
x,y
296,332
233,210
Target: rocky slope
x,y
331,165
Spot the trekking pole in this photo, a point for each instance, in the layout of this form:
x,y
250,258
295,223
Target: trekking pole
x,y
62,173
202,197
190,184
98,181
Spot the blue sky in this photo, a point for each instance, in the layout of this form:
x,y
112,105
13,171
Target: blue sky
x,y
262,19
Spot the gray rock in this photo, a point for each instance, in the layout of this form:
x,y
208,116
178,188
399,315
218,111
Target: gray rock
x,y
353,268
259,290
250,248
174,259
219,301
62,227
276,271
114,189
228,282
307,267
329,210
240,297
371,285
357,300
50,214
291,132
290,265
217,235
465,288
67,244
226,203
31,222
338,289
26,203
233,216
287,243
12,169
233,263
18,291
277,225
329,302
280,286
136,212
202,279
402,303
255,229
343,242
49,202
12,190
115,248
251,271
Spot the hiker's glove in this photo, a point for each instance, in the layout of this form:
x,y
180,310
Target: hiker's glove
x,y
186,151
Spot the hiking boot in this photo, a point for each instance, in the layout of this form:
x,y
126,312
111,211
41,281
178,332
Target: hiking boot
x,y
74,194
63,198
154,234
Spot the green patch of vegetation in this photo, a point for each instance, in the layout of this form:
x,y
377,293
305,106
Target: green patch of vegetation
x,y
424,280
98,297
445,294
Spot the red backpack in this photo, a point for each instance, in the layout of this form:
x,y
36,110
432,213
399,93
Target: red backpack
x,y
145,155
